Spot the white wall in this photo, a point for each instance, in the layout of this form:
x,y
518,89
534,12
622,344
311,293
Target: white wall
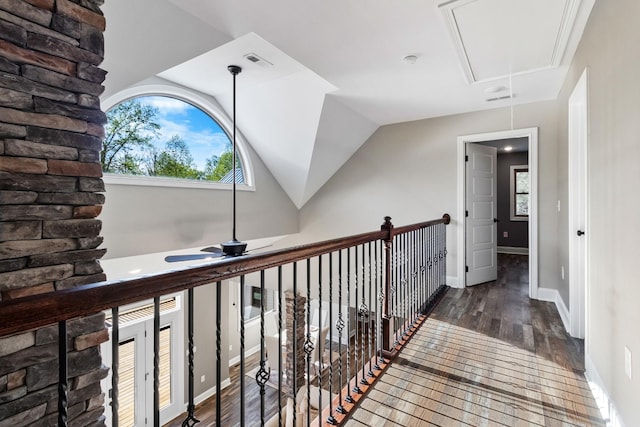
x,y
613,231
408,171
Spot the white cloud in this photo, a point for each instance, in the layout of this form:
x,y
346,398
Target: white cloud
x,y
166,105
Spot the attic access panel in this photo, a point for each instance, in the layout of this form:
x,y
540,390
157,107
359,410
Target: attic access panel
x,y
496,38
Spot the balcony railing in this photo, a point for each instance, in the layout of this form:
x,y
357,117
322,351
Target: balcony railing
x,y
344,308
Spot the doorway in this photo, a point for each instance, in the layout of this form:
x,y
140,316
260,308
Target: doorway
x,y
136,363
531,135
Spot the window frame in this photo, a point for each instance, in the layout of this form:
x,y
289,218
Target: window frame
x,y
513,170
209,106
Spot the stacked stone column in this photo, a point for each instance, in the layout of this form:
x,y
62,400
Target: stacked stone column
x,y
51,130
298,335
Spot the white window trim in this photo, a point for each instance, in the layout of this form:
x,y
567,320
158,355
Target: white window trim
x,y
512,190
206,104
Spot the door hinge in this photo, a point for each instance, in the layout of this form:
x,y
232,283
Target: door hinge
x,y
466,268
466,213
466,158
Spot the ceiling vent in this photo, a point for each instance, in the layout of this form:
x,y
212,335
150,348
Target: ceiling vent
x,y
500,98
258,60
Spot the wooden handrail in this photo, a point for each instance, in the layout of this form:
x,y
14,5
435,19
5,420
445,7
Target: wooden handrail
x,y
35,311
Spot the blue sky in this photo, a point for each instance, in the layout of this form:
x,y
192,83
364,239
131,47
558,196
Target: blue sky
x,y
202,134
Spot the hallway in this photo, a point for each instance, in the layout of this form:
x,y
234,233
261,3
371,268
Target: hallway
x,y
486,356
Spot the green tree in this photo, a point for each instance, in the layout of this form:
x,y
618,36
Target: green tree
x,y
218,166
130,128
174,161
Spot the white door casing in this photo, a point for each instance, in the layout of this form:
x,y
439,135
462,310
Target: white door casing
x,y
481,207
577,209
460,222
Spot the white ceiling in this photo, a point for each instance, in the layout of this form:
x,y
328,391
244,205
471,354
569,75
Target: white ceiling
x,y
338,71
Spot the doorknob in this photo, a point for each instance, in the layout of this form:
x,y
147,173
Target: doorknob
x,y
495,220
580,233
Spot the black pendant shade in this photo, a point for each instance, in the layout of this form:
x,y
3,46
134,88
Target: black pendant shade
x,y
234,247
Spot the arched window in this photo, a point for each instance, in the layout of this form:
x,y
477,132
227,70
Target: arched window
x,y
162,139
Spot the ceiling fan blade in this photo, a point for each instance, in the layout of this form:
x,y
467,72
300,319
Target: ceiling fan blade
x,y
191,257
212,249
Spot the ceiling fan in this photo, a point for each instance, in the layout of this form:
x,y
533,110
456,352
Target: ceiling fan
x,y
233,247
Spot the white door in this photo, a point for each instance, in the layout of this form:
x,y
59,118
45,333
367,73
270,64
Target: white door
x,y
577,206
135,373
480,205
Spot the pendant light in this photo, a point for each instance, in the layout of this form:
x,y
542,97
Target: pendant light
x,y
234,247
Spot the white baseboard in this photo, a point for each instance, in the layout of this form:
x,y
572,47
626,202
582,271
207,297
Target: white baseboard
x,y
453,282
552,295
602,396
512,250
208,393
546,294
247,353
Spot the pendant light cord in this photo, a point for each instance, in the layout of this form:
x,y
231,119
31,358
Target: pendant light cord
x,y
234,70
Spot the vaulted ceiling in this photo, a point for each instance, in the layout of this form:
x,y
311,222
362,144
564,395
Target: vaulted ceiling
x,y
332,72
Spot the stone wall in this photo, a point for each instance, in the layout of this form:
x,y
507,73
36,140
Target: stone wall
x,y
51,130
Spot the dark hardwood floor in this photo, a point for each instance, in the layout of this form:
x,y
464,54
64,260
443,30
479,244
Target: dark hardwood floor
x,y
487,355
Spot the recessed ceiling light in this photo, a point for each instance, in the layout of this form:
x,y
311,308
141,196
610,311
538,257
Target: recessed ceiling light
x,y
410,59
508,148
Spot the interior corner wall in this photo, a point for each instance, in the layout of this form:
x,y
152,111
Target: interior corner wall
x,y
409,171
612,228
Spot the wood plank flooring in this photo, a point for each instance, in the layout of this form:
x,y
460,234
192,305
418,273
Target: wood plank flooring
x,y
487,356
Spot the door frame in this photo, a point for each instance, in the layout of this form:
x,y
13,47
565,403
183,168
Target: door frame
x,y
578,115
532,135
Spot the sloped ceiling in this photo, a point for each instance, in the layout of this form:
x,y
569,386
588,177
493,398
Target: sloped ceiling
x,y
338,69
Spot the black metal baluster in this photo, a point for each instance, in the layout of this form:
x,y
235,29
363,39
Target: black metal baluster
x,y
370,330
356,387
330,419
219,353
63,384
280,345
395,291
349,399
362,310
156,361
443,264
411,300
319,343
340,326
295,342
403,283
308,345
242,367
434,260
418,258
380,294
423,271
416,275
115,365
191,407
262,376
